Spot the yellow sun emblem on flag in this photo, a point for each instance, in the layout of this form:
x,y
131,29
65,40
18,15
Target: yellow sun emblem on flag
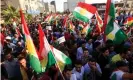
x,y
82,11
111,36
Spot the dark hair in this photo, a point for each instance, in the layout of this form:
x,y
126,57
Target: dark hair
x,y
92,60
121,64
83,42
104,49
96,44
20,57
123,50
8,51
85,49
78,62
68,68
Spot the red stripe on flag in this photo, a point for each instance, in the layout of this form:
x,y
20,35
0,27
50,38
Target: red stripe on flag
x,y
88,7
106,17
99,18
65,21
41,36
24,24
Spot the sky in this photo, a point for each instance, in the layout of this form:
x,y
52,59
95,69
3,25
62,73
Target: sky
x,y
60,3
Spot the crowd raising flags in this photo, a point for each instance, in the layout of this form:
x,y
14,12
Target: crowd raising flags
x,y
48,56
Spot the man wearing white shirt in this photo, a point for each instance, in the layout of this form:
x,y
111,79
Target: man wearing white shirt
x,y
80,51
89,46
78,70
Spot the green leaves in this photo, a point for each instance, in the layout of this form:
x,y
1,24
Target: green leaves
x,y
9,14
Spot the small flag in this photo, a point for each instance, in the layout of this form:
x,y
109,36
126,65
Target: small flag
x,y
65,21
71,27
99,21
87,29
18,32
129,22
61,39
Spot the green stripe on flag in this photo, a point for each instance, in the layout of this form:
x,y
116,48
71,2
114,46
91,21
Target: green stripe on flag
x,y
112,10
110,26
51,60
80,17
35,63
120,36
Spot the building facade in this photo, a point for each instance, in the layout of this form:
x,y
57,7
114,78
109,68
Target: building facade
x,y
71,4
52,6
65,6
126,5
29,6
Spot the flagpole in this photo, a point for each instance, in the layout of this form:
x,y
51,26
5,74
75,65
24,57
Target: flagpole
x,y
54,58
57,65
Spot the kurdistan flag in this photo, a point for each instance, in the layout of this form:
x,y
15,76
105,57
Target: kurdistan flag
x,y
33,57
87,29
65,21
84,11
99,21
49,18
71,26
50,56
129,21
81,26
111,29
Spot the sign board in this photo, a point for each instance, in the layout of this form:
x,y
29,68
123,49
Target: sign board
x,y
61,39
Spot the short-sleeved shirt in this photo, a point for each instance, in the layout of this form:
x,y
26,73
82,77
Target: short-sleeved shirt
x,y
117,75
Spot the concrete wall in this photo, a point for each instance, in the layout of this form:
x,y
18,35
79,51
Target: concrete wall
x,y
65,6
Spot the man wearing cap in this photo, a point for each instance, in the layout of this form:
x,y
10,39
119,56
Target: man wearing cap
x,y
8,43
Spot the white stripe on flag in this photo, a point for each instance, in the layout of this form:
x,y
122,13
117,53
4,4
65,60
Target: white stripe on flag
x,y
83,12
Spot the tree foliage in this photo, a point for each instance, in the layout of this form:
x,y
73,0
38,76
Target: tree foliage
x,y
9,14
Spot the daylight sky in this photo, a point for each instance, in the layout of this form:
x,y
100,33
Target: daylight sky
x,y
60,3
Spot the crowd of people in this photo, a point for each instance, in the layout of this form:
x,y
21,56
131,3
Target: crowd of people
x,y
92,57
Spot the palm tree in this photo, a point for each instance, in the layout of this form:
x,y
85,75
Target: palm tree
x,y
9,14
28,17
